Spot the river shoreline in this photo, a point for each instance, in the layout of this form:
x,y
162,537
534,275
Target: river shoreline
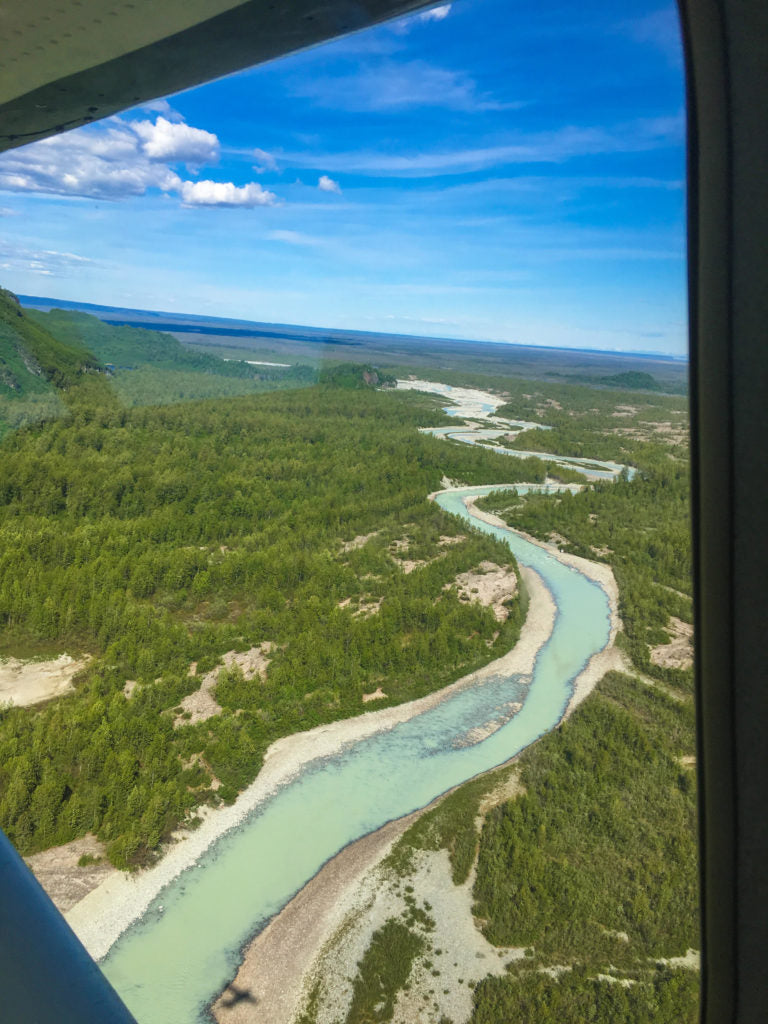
x,y
280,960
610,658
285,951
108,910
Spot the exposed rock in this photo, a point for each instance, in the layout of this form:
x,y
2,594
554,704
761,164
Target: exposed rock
x,y
490,584
558,539
201,705
378,694
24,683
358,542
678,653
368,606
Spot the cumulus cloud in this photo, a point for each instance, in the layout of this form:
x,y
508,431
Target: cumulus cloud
x,y
435,13
225,193
123,159
104,165
176,142
326,184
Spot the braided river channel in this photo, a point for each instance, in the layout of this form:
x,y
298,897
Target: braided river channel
x,y
187,945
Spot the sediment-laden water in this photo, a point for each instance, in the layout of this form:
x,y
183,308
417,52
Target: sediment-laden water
x,y
170,964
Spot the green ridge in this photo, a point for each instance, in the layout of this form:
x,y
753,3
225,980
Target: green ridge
x,y
37,369
31,359
133,347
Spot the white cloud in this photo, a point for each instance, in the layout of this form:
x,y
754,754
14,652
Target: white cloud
x,y
174,143
160,106
326,184
559,146
402,26
225,193
266,161
47,262
122,159
436,13
397,85
101,165
293,238
106,163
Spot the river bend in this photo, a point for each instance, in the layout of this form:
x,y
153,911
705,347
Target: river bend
x,y
186,947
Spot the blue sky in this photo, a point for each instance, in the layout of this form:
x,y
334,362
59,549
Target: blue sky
x,y
488,169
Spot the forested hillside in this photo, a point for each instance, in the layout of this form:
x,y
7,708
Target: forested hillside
x,y
156,540
44,354
32,356
35,366
153,368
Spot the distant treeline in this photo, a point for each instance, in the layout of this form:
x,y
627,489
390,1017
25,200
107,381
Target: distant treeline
x,y
43,354
316,338
125,347
631,380
356,375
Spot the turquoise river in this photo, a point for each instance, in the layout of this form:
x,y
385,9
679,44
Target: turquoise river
x,y
187,946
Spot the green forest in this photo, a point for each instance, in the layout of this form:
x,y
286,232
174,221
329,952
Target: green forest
x,y
160,507
595,867
591,871
152,538
642,529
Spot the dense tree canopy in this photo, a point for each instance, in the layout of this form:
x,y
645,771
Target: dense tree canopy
x,y
157,537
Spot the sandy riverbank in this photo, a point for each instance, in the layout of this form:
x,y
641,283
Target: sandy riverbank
x,y
101,916
610,658
278,963
279,958
456,947
24,683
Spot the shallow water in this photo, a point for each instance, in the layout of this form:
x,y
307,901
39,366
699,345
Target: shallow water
x,y
172,962
472,404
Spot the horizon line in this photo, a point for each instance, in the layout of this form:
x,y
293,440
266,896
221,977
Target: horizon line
x,y
49,300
